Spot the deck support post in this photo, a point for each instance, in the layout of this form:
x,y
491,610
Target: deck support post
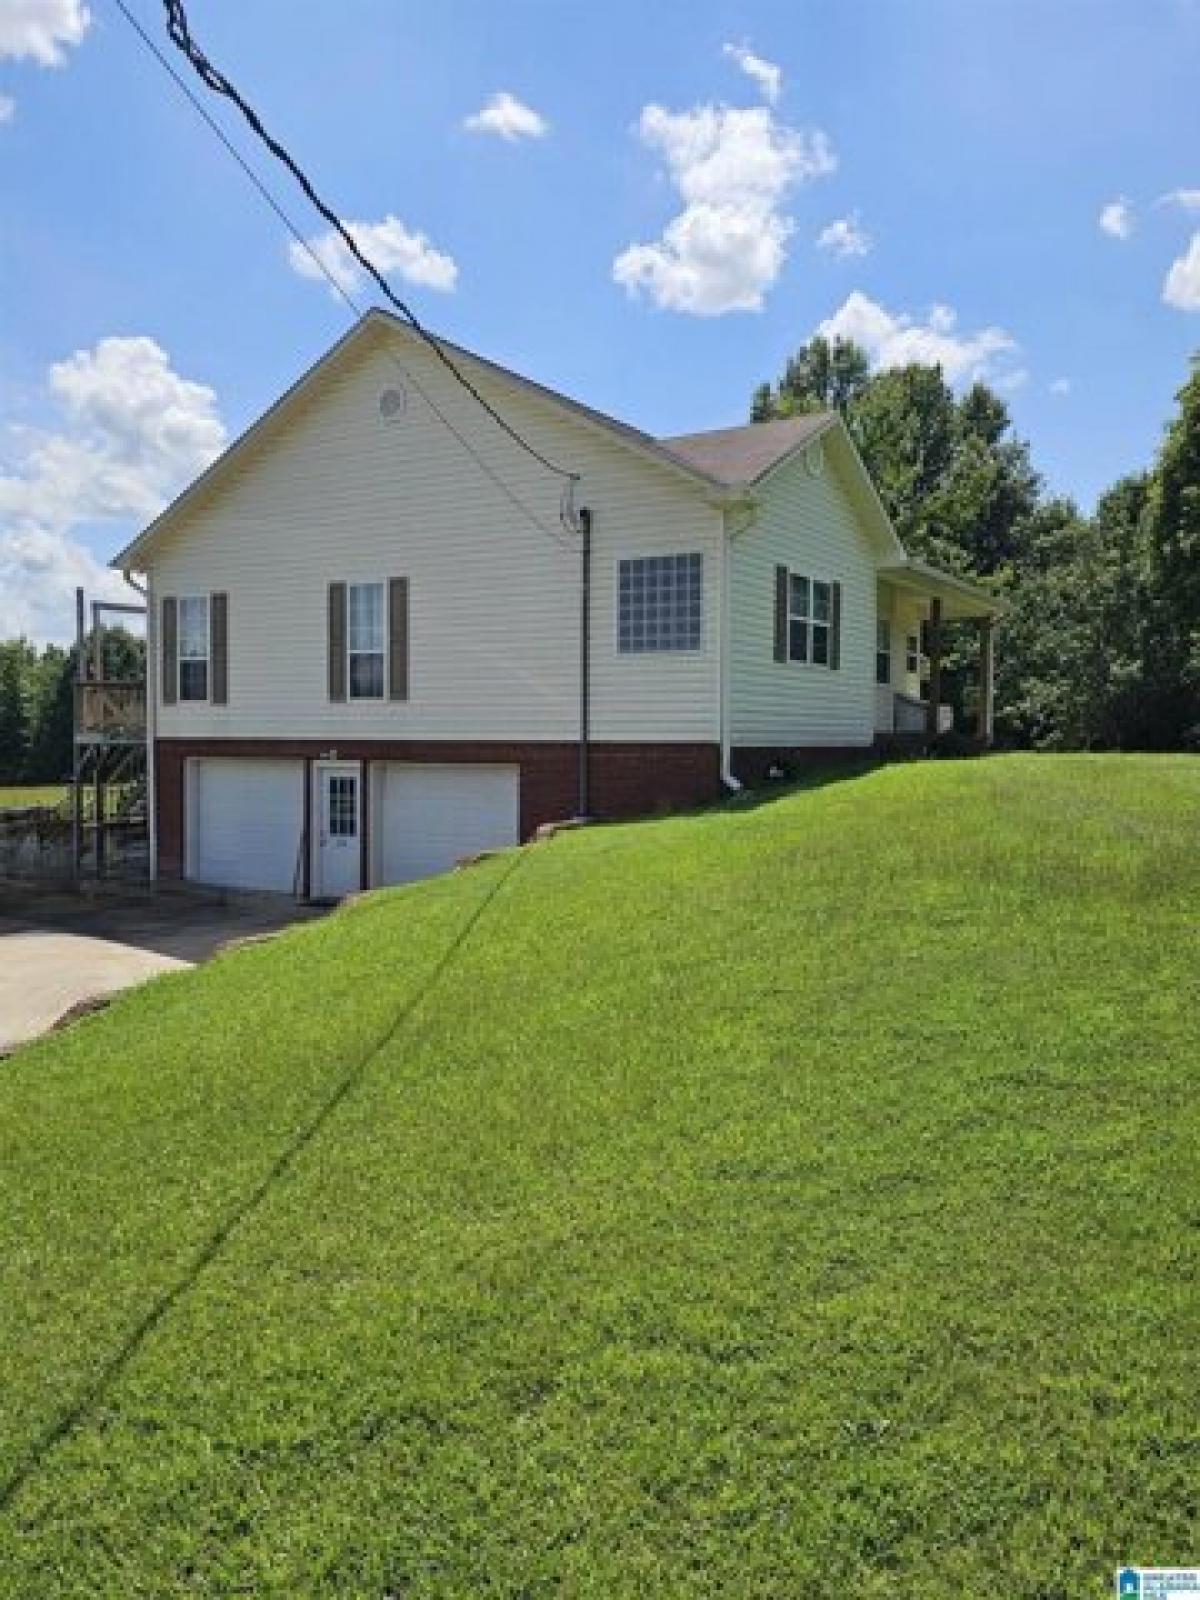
x,y
935,667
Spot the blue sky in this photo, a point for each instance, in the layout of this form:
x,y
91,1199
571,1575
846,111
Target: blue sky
x,y
967,148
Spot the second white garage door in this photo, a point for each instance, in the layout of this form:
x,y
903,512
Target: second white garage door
x,y
244,820
425,818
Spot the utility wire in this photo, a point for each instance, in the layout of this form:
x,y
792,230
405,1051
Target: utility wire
x,y
180,36
356,309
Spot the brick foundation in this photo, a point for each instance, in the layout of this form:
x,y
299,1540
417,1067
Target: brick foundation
x,y
627,780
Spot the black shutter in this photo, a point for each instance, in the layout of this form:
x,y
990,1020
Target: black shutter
x,y
337,641
835,628
219,638
169,649
781,613
398,639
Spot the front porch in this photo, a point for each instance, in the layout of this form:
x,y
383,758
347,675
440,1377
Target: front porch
x,y
914,601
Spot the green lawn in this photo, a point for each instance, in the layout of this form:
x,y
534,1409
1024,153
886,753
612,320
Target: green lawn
x,y
15,795
798,1198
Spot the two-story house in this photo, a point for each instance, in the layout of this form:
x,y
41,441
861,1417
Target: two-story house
x,y
383,636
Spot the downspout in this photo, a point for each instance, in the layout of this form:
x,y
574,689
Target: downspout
x,y
725,664
585,656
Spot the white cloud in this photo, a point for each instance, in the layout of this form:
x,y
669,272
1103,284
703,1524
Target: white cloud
x,y
1185,199
1012,380
133,433
765,74
1116,219
389,244
893,339
8,108
41,30
732,168
1182,286
1060,386
845,237
509,117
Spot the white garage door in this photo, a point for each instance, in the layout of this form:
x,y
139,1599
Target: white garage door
x,y
425,818
244,820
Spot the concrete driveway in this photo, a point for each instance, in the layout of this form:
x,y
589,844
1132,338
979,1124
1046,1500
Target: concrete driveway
x,y
60,947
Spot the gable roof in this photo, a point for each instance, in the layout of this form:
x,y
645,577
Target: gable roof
x,y
725,464
737,456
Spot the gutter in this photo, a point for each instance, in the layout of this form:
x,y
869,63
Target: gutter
x,y
948,582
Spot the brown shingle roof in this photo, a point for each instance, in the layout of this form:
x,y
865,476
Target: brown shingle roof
x,y
742,455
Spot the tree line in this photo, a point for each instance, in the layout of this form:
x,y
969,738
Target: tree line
x,y
37,702
1099,647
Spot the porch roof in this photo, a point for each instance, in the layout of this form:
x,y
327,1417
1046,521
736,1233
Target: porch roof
x,y
959,598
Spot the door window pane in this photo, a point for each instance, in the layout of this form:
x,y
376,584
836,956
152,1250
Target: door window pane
x,y
342,806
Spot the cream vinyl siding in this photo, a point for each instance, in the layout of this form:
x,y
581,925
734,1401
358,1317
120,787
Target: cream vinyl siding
x,y
809,526
333,492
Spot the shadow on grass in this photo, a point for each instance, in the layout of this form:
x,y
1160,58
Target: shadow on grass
x,y
770,790
93,1393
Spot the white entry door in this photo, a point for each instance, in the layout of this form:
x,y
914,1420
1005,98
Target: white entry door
x,y
337,843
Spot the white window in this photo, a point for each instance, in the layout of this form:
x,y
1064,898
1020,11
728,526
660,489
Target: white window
x,y
660,601
912,653
810,618
193,647
883,651
365,637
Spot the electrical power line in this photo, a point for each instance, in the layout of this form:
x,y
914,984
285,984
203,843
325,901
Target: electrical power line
x,y
180,36
356,309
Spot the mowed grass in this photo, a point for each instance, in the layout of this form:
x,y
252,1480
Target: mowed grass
x,y
796,1198
14,796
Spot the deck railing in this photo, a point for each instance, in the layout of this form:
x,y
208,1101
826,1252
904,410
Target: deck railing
x,y
110,709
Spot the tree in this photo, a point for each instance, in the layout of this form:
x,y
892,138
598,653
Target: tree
x,y
52,728
821,376
1171,556
15,656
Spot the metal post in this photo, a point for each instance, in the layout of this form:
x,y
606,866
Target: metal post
x,y
97,644
76,746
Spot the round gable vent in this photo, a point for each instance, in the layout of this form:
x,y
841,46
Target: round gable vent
x,y
392,404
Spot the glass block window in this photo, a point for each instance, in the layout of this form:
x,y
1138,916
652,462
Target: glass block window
x,y
193,647
365,638
660,601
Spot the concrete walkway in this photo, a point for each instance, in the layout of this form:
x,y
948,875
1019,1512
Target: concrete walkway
x,y
58,948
